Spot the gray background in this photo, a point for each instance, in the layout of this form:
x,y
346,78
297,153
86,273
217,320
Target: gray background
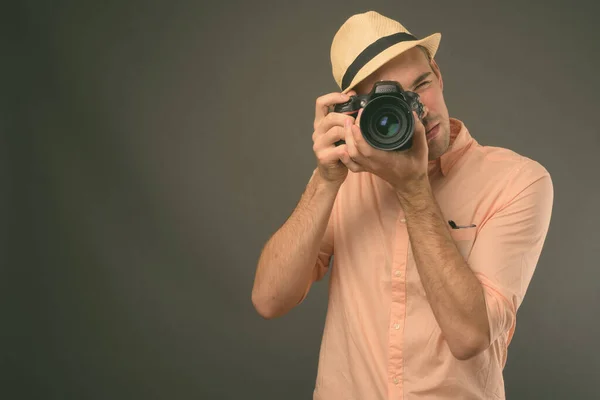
x,y
149,149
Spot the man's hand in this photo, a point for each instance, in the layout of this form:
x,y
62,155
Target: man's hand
x,y
403,170
333,161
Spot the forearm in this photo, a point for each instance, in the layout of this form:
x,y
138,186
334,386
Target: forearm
x,y
454,293
288,258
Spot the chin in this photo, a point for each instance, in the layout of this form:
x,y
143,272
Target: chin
x,y
439,146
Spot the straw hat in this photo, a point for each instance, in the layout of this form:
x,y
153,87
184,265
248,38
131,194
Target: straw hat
x,y
367,41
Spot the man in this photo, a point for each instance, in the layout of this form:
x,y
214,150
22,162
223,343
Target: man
x,y
434,246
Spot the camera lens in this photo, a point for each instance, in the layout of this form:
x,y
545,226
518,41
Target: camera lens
x,y
387,125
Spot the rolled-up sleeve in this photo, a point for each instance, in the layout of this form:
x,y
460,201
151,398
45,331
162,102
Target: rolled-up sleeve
x,y
509,244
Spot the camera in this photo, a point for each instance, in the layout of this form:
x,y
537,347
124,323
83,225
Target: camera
x,y
387,121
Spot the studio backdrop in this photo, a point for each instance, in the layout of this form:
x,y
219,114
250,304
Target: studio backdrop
x,y
150,149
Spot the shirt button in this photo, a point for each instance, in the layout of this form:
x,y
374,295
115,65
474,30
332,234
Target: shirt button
x,y
397,272
396,380
403,220
396,326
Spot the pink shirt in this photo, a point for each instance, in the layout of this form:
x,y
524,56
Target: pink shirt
x,y
381,339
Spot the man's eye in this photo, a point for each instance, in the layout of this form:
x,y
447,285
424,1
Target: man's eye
x,y
422,84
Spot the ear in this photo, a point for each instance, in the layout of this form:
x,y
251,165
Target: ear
x,y
436,70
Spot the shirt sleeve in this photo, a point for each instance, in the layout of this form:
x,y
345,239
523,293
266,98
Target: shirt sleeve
x,y
508,246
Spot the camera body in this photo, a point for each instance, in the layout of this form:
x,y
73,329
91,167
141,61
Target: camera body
x,y
387,122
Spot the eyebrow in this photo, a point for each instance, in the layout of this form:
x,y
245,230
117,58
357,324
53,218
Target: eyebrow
x,y
420,78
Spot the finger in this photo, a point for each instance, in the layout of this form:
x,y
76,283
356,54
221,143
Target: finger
x,y
353,151
358,116
344,157
349,163
325,102
363,148
331,155
329,138
419,127
331,120
419,135
332,135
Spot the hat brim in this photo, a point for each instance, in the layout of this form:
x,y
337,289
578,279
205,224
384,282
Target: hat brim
x,y
431,43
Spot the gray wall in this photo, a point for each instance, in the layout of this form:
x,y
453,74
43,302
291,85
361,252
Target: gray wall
x,y
149,149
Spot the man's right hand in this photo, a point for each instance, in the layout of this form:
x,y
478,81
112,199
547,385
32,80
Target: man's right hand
x,y
329,127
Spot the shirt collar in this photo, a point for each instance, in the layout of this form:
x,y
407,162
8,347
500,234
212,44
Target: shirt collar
x,y
460,141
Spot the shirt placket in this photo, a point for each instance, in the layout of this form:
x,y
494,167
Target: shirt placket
x,y
397,311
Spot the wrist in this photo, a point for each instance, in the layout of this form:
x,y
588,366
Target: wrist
x,y
415,195
324,184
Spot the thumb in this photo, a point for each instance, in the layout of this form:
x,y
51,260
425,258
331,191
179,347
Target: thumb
x,y
419,135
360,111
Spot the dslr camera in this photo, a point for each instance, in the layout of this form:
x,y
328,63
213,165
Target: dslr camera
x,y
387,121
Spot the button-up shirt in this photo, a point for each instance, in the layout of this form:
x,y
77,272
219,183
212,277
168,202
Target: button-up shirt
x,y
381,339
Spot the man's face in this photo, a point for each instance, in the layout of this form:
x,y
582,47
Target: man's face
x,y
414,72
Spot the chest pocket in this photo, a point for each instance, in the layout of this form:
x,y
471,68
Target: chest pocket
x,y
464,239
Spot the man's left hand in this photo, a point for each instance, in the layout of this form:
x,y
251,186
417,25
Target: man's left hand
x,y
403,170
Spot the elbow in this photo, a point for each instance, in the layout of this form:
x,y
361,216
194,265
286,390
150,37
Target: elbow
x,y
266,309
466,352
265,312
471,347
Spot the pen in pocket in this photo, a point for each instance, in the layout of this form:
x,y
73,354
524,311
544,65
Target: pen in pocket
x,y
454,226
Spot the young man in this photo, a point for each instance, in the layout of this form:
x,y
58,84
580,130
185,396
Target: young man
x,y
434,246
